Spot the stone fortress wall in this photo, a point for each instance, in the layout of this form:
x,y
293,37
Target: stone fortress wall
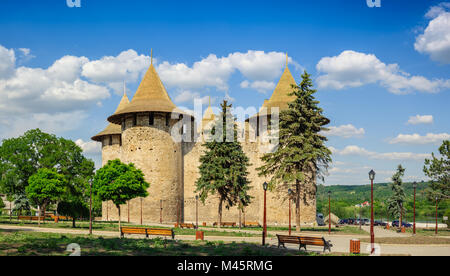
x,y
171,167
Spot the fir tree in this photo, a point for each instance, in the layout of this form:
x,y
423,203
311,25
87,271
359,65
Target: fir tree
x,y
301,156
223,166
396,201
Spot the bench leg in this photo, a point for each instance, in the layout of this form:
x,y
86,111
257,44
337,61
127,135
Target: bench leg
x,y
302,245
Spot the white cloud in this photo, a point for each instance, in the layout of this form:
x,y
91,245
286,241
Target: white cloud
x,y
259,67
90,147
435,40
15,125
260,86
420,119
346,131
354,69
188,96
430,138
7,62
127,66
54,99
358,151
437,10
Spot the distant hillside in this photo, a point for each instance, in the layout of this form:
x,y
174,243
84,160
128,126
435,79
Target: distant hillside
x,y
345,197
355,194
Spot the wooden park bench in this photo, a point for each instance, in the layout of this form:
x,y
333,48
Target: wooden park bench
x,y
226,224
303,241
251,224
30,218
187,225
146,231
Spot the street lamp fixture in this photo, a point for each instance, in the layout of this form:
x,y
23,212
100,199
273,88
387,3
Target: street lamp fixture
x,y
265,186
371,175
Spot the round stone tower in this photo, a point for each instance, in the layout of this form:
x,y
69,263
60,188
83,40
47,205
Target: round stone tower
x,y
148,123
111,139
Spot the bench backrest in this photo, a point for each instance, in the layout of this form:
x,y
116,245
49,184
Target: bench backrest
x,y
133,230
288,239
312,240
160,232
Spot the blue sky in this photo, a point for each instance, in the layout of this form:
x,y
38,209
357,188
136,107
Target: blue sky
x,y
61,68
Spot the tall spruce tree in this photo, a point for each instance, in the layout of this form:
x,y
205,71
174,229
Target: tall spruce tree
x,y
301,156
396,201
223,166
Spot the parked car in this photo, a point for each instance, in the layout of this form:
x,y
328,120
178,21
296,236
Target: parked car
x,y
344,221
379,223
395,223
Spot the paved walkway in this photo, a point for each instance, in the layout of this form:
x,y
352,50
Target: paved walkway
x,y
340,243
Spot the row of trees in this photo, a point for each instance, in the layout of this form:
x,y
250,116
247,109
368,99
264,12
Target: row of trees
x,y
437,169
39,169
396,199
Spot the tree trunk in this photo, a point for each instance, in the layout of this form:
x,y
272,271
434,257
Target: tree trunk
x,y
10,211
73,222
118,208
39,216
297,206
220,213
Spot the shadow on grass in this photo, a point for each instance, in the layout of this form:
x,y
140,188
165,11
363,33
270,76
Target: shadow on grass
x,y
34,243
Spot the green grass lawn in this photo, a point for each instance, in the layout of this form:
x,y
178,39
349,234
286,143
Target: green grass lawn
x,y
429,232
114,226
21,243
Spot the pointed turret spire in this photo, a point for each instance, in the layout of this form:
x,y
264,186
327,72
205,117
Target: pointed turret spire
x,y
280,96
114,129
150,96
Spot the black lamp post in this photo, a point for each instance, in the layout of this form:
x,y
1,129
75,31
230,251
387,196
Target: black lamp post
x,y
265,185
290,198
414,208
436,230
196,210
90,208
372,236
329,212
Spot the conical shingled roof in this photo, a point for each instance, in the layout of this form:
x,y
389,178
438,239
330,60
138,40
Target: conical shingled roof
x,y
150,96
113,128
208,116
280,97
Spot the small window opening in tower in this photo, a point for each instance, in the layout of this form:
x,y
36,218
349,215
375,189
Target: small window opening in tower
x,y
167,119
151,119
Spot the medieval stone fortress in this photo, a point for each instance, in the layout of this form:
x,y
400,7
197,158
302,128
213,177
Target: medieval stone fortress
x,y
141,132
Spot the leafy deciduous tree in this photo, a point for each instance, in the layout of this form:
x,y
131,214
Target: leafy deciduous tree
x,y
119,183
46,186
